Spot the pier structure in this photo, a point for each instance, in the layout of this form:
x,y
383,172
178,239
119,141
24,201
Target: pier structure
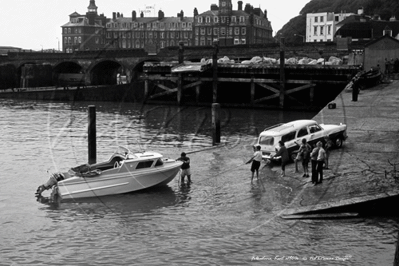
x,y
166,76
231,83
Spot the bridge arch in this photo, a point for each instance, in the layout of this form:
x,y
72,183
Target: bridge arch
x,y
104,72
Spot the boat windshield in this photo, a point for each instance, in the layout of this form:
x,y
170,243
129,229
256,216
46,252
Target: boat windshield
x,y
122,150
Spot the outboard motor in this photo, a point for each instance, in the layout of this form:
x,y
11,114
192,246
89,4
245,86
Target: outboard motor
x,y
53,180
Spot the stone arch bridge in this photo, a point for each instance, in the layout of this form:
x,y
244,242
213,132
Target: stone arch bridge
x,y
38,69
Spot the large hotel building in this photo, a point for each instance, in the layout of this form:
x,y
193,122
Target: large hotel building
x,y
91,31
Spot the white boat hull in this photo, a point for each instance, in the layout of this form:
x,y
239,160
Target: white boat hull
x,y
117,181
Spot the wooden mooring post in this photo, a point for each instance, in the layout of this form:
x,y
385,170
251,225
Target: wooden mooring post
x,y
180,76
282,73
216,123
215,70
92,135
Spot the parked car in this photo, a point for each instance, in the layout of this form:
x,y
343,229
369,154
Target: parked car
x,y
293,132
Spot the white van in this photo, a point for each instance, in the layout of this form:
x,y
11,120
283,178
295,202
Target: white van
x,y
292,134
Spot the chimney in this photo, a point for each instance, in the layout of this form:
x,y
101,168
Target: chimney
x,y
266,14
248,9
134,15
113,15
161,15
142,14
393,18
181,15
360,11
214,7
195,12
240,5
118,14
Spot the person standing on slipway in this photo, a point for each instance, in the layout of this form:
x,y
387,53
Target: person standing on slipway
x,y
256,160
185,168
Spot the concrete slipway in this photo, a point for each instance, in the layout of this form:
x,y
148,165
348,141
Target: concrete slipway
x,y
360,179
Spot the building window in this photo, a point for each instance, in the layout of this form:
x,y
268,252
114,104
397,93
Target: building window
x,y
236,41
202,41
69,30
223,19
183,25
189,25
215,19
209,31
243,41
237,31
222,31
387,32
216,31
243,31
321,19
196,31
242,19
202,31
65,30
172,35
316,19
233,19
66,40
199,19
329,29
321,30
315,30
208,20
80,40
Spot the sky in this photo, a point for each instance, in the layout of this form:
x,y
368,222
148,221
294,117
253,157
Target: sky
x,y
36,24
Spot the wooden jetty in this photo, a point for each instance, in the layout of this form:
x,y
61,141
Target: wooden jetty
x,y
253,84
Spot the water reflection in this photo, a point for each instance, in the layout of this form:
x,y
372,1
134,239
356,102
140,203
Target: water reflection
x,y
140,201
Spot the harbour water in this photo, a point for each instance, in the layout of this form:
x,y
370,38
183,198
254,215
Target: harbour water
x,y
221,219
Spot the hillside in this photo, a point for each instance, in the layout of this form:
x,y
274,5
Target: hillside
x,y
297,25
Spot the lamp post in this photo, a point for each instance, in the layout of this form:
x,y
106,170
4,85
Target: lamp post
x,y
303,37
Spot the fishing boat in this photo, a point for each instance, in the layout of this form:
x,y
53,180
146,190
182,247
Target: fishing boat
x,y
124,172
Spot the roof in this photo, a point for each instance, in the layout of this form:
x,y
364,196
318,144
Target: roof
x,y
75,14
216,12
368,30
380,39
287,127
151,19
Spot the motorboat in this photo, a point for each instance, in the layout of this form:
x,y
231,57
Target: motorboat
x,y
124,172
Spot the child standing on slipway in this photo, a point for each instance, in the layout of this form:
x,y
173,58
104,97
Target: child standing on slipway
x,y
256,160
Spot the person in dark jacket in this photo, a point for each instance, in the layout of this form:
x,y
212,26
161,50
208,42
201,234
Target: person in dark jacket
x,y
185,168
283,153
313,158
